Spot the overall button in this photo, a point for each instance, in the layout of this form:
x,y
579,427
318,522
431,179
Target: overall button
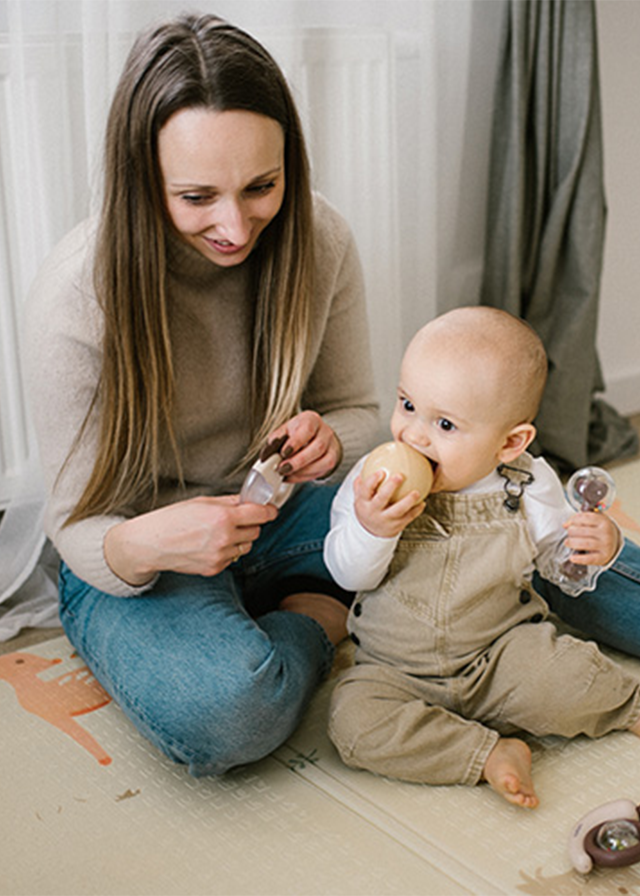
x,y
537,618
357,609
355,639
525,597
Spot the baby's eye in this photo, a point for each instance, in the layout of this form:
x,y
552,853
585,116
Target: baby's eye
x,y
445,425
407,406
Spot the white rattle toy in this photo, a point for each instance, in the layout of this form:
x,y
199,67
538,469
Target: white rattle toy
x,y
589,489
263,484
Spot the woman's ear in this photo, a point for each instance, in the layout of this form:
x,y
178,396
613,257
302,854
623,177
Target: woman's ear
x,y
516,442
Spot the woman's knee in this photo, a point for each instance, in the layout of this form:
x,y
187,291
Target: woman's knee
x,y
212,689
213,722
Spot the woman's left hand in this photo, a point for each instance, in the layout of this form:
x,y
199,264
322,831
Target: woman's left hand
x,y
310,450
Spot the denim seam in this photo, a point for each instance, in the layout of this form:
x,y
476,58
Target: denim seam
x,y
628,572
330,651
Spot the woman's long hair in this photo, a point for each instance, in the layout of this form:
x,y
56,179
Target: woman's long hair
x,y
189,62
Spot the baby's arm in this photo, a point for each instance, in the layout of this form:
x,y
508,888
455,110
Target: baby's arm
x,y
593,537
356,557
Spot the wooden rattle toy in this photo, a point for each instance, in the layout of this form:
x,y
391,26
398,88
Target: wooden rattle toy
x,y
608,836
398,457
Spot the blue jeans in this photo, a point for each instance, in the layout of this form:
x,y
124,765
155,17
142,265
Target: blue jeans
x,y
206,668
610,614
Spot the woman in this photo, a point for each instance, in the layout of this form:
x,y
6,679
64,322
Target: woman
x,y
214,308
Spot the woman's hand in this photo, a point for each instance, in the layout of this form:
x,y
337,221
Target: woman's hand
x,y
594,536
374,507
310,448
200,536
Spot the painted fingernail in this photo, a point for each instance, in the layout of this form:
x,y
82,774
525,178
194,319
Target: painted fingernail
x,y
287,451
272,448
285,469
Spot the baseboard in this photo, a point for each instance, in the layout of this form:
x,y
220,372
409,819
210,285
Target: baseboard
x,y
623,393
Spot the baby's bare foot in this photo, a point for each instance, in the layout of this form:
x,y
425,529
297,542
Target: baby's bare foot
x,y
508,771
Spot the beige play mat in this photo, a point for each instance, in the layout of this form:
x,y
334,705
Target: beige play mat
x,y
89,808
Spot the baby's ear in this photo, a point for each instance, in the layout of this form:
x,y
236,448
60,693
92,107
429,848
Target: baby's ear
x,y
516,442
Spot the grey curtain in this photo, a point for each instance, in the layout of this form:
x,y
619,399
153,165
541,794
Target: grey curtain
x,y
546,218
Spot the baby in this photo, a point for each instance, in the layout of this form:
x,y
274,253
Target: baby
x,y
454,653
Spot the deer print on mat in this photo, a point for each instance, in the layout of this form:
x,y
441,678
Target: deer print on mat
x,y
57,700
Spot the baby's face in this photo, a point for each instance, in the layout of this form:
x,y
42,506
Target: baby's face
x,y
448,408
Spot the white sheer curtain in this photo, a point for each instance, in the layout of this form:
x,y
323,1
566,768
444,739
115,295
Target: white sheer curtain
x,y
382,89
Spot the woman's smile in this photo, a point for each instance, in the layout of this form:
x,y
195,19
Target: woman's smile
x,y
223,246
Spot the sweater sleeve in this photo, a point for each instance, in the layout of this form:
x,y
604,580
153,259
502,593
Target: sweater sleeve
x,y
356,559
62,363
341,382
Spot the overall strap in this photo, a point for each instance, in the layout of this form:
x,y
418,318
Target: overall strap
x,y
516,479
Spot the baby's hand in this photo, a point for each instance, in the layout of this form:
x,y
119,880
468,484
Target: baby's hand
x,y
374,507
594,536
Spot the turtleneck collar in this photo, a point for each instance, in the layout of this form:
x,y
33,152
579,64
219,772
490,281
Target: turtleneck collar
x,y
191,268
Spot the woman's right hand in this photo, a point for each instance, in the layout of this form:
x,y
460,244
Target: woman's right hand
x,y
199,536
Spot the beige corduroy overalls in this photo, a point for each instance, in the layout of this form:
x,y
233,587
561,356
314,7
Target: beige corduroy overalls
x,y
454,650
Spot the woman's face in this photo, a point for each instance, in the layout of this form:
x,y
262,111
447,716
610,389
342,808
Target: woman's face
x,y
224,179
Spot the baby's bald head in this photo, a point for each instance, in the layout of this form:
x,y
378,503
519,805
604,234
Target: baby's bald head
x,y
503,355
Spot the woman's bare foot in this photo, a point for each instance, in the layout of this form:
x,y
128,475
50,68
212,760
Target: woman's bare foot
x,y
329,612
508,771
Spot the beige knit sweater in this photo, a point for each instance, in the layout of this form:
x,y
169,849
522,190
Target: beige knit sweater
x,y
210,308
